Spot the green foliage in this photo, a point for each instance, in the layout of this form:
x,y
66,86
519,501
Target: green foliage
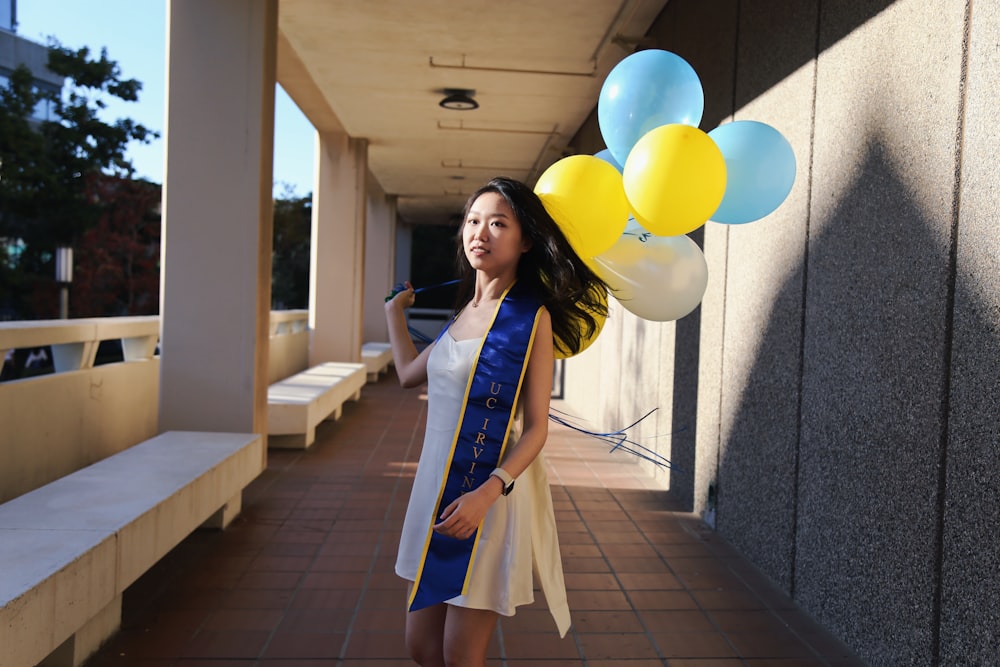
x,y
290,258
45,166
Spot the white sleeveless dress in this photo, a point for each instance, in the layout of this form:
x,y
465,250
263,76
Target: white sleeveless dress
x,y
519,530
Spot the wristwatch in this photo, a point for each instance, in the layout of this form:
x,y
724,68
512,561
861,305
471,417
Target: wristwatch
x,y
504,476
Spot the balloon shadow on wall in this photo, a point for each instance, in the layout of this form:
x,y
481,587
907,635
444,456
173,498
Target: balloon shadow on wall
x,y
830,473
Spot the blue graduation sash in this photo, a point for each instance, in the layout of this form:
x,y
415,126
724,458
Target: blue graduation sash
x,y
479,442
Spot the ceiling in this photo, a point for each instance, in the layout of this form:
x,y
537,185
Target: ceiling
x,y
377,70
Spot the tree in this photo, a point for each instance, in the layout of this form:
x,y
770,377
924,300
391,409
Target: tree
x,y
290,258
45,165
118,267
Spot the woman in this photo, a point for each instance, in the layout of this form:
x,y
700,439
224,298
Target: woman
x,y
469,539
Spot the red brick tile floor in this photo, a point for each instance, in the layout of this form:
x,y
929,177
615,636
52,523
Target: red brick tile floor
x,y
304,576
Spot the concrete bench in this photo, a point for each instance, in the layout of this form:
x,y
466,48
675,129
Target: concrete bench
x,y
377,358
69,549
297,404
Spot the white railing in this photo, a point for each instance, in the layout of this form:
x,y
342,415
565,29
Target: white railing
x,y
54,423
289,321
74,342
288,353
59,422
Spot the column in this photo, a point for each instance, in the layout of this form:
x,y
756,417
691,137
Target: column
x,y
380,251
337,267
217,221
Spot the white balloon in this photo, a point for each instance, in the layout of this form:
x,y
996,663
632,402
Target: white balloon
x,y
657,278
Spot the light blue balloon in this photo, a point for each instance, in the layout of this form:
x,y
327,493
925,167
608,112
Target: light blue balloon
x,y
610,159
644,91
760,170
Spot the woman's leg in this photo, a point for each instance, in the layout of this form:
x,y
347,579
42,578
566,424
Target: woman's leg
x,y
425,635
467,635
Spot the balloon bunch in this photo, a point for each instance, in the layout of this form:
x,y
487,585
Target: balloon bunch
x,y
627,209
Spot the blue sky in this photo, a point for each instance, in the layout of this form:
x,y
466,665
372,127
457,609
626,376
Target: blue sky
x,y
134,33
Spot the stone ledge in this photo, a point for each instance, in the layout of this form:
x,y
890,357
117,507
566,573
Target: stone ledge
x,y
297,404
70,548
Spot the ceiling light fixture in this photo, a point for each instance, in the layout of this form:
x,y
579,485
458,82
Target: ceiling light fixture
x,y
459,99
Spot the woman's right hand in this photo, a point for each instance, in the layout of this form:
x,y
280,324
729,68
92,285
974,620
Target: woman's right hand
x,y
402,299
411,366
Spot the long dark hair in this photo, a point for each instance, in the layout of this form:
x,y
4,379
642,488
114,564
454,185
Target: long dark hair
x,y
574,295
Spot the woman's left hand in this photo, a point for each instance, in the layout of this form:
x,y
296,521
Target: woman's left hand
x,y
462,517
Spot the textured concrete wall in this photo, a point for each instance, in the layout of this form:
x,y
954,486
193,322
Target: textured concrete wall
x,y
876,325
865,554
698,351
846,356
970,595
762,343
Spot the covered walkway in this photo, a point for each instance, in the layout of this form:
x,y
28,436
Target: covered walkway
x,y
304,577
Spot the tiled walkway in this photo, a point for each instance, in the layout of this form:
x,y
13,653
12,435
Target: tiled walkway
x,y
304,577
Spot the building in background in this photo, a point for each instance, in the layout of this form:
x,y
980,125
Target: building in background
x,y
16,50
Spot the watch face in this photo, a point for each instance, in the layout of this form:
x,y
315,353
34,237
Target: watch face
x,y
507,489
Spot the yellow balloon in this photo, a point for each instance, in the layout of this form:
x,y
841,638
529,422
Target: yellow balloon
x,y
586,341
674,178
584,195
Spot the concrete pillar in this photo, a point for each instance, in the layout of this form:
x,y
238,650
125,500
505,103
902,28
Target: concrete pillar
x,y
336,277
380,250
404,249
217,218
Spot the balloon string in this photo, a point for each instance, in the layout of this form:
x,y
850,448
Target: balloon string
x,y
419,335
399,287
620,440
444,284
642,236
415,333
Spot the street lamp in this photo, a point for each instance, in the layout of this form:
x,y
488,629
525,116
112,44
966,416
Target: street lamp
x,y
64,276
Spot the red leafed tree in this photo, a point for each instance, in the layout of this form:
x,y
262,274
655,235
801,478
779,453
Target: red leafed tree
x,y
117,263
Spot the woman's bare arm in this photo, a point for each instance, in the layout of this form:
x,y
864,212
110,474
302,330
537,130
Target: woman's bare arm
x,y
411,366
